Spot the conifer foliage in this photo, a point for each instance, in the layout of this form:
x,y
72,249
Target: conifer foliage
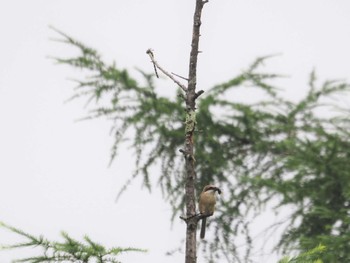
x,y
68,251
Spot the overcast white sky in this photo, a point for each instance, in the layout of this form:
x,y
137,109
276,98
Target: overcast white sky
x,y
53,170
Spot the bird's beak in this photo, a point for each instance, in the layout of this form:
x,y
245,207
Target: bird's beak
x,y
219,190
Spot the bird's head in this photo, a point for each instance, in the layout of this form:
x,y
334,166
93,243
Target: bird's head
x,y
211,187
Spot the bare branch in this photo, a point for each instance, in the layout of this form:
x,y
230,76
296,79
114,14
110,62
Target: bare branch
x,y
155,63
150,53
199,93
196,217
181,77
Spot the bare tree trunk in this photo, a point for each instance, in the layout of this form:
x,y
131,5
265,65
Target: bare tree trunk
x,y
191,96
191,218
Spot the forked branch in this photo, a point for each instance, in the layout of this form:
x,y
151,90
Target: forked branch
x,y
157,66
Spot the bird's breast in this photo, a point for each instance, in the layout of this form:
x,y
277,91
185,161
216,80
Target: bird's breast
x,y
207,202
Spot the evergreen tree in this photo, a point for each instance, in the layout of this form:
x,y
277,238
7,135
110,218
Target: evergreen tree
x,y
274,148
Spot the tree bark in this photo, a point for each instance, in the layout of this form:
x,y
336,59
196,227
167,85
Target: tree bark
x,y
191,95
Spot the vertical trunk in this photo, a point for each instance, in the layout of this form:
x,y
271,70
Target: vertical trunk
x,y
191,95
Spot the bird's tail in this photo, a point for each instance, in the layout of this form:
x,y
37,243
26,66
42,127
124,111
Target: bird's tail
x,y
204,221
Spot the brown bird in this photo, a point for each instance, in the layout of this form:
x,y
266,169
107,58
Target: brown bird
x,y
207,202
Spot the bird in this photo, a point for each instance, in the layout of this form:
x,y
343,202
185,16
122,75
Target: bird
x,y
207,202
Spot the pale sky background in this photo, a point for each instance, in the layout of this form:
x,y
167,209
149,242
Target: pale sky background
x,y
54,171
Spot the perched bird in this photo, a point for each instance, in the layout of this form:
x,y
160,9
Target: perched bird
x,y
207,202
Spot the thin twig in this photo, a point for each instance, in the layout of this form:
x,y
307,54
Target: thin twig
x,y
181,77
197,217
155,70
155,63
150,53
